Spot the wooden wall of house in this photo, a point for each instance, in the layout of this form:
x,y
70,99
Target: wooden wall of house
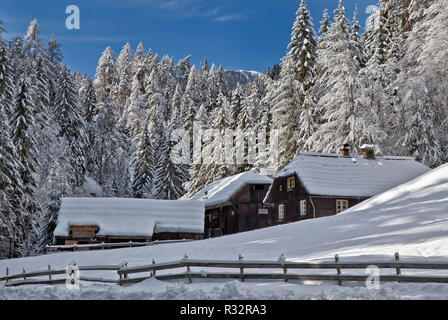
x,y
177,236
241,215
324,206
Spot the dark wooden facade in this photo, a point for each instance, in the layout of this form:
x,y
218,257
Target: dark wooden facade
x,y
240,213
315,206
87,235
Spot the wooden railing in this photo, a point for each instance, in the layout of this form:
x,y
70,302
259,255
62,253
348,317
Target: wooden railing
x,y
283,266
103,245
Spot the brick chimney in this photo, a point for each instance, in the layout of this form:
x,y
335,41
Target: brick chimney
x,y
344,150
368,151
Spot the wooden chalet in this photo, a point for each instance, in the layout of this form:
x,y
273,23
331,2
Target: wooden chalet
x,y
235,204
316,185
112,220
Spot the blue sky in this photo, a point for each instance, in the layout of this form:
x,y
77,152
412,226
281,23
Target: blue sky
x,y
240,34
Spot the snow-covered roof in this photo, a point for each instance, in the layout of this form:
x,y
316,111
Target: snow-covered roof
x,y
220,192
355,176
131,217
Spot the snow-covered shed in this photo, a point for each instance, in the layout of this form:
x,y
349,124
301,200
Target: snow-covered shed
x,y
315,184
92,220
234,204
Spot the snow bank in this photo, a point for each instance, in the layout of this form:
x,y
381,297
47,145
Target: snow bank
x,y
411,219
333,175
131,217
220,192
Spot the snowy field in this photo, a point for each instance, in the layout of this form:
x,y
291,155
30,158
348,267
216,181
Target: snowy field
x,y
411,219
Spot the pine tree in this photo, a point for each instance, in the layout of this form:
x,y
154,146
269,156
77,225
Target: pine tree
x,y
419,139
125,72
286,108
10,183
68,116
236,106
342,99
302,48
325,22
169,173
143,164
25,206
358,42
106,78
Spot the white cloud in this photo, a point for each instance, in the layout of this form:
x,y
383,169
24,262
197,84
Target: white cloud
x,y
231,17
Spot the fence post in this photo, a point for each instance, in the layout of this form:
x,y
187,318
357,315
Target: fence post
x,y
153,272
397,257
49,275
7,274
24,277
188,269
240,258
336,259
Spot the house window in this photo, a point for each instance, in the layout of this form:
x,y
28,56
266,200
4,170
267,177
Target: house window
x,y
303,207
281,211
280,187
291,182
341,205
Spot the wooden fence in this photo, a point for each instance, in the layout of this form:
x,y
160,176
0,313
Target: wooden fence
x,y
103,245
284,271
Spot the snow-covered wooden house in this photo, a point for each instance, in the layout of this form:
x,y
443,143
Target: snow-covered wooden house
x,y
96,220
235,204
316,185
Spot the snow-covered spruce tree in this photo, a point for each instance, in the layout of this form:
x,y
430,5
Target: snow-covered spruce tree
x,y
287,101
183,70
169,174
54,54
143,164
59,187
211,89
10,184
190,103
302,47
26,208
296,77
419,82
17,57
68,116
358,41
346,117
197,168
215,150
378,37
419,139
236,107
125,71
106,78
137,103
106,148
176,105
325,23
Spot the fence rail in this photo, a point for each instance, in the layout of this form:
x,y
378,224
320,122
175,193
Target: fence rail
x,y
102,246
283,266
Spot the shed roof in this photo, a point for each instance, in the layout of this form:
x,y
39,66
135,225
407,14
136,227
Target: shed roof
x,y
354,176
131,217
220,192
